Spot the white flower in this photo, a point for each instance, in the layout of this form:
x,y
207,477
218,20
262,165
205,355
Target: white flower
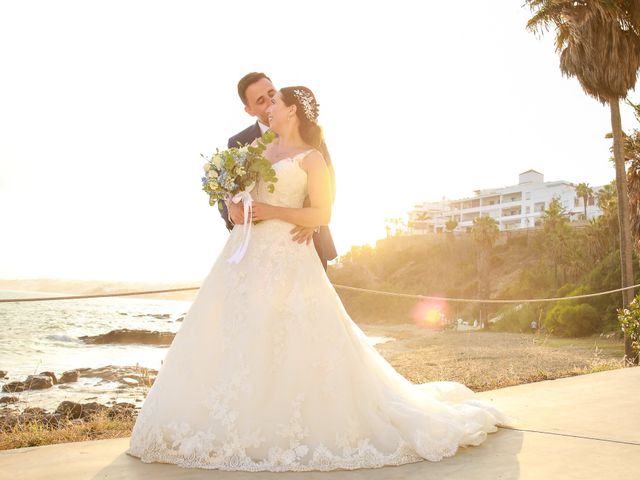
x,y
212,174
217,160
207,167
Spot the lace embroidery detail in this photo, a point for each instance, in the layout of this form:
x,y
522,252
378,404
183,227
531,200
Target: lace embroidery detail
x,y
191,448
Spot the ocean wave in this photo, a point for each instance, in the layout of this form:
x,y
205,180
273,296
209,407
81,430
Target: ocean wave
x,y
62,338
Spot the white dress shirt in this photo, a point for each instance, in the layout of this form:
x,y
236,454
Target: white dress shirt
x,y
263,127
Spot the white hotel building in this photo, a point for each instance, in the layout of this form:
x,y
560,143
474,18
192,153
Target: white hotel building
x,y
514,207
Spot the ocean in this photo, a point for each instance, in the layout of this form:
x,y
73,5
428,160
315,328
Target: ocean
x,y
43,336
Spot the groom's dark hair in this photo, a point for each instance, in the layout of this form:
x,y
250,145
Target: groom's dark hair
x,y
249,79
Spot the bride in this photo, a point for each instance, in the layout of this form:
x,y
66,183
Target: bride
x,y
269,373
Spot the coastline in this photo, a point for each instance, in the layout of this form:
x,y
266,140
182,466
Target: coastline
x,y
481,360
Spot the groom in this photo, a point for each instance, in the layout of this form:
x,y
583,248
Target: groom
x,y
255,90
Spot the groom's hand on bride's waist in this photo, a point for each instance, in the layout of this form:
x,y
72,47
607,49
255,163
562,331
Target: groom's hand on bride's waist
x,y
302,234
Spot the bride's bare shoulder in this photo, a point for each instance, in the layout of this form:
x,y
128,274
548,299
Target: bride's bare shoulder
x,y
313,159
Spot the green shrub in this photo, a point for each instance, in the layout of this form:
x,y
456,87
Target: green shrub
x,y
516,319
570,320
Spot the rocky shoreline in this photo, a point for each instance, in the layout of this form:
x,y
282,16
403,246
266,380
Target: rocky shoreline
x,y
137,379
127,376
48,387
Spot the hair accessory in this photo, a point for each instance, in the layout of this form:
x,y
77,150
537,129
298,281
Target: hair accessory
x,y
308,104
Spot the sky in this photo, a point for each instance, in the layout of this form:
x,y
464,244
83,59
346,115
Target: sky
x,y
105,108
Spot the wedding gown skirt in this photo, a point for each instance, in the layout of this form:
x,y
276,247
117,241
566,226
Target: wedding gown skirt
x,y
269,373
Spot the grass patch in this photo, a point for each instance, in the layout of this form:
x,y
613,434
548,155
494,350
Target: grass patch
x,y
36,433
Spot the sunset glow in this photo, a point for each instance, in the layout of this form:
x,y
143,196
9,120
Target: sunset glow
x,y
102,133
430,314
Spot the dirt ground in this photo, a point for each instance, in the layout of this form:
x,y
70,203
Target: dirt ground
x,y
490,360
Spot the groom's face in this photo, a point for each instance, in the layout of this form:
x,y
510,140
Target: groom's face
x,y
258,96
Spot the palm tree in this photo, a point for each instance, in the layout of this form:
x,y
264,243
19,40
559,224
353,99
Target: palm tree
x,y
484,234
599,43
451,225
632,156
606,198
422,217
584,191
396,224
556,236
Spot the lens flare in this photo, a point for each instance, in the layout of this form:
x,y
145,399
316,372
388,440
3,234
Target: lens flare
x,y
431,314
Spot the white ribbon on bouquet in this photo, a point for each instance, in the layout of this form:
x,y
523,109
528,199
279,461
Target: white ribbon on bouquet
x,y
247,201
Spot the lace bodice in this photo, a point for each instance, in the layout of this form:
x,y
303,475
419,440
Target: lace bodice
x,y
291,187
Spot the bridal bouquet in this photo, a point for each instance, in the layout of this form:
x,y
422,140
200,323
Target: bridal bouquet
x,y
236,170
230,175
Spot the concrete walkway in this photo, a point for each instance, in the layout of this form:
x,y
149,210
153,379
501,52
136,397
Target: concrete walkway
x,y
585,427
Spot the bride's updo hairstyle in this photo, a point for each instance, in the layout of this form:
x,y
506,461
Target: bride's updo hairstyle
x,y
307,112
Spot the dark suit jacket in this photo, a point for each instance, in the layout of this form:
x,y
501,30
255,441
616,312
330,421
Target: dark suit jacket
x,y
322,240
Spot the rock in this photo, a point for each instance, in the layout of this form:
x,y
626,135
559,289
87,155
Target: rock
x,y
122,410
7,422
92,408
69,376
159,316
129,381
73,410
69,409
54,380
31,415
3,373
34,411
38,382
128,336
14,387
53,420
8,399
179,319
33,382
113,373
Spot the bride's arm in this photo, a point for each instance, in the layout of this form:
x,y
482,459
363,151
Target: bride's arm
x,y
319,188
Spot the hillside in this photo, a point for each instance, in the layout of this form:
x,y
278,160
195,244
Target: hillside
x,y
446,265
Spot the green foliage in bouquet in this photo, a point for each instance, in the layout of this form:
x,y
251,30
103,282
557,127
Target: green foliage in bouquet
x,y
234,170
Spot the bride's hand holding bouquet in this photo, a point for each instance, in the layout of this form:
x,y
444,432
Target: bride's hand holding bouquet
x,y
234,171
231,174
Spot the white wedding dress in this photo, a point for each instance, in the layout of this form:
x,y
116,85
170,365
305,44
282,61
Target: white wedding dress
x,y
269,373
